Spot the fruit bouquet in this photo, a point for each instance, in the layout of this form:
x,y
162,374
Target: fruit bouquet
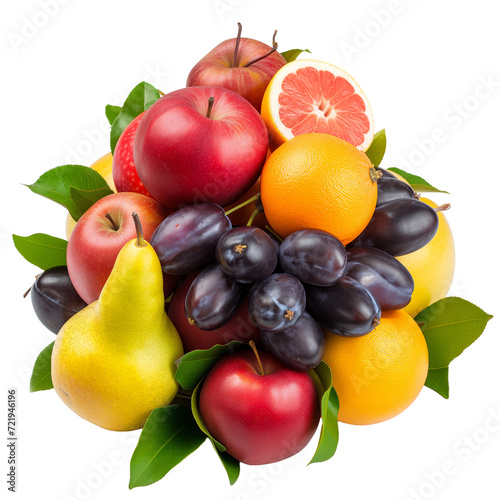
x,y
240,268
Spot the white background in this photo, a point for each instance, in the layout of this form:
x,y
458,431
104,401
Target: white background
x,y
422,65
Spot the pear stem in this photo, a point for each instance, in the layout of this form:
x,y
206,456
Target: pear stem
x,y
274,49
113,223
237,46
254,349
141,242
241,205
211,100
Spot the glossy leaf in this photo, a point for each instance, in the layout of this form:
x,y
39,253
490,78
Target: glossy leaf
x,y
450,325
41,378
56,185
112,113
42,250
84,199
437,380
376,151
231,465
292,54
418,184
329,436
168,437
194,365
141,98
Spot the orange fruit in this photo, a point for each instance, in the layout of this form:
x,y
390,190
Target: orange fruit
x,y
307,96
318,181
380,374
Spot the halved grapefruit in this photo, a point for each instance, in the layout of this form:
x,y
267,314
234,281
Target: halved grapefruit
x,y
307,96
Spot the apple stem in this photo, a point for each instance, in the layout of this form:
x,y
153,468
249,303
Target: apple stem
x,y
113,223
442,208
241,205
211,100
237,46
254,349
141,242
274,49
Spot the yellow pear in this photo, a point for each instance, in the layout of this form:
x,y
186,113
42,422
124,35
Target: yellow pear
x,y
114,361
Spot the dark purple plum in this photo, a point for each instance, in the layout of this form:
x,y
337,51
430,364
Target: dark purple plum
x,y
213,298
382,275
390,188
314,256
277,302
54,298
247,254
399,227
346,308
186,240
300,346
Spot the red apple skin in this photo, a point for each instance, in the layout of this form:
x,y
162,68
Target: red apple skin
x,y
216,68
260,419
94,245
239,327
124,172
183,157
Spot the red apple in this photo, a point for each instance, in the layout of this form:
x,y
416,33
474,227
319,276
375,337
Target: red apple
x,y
96,240
124,172
259,416
239,327
187,150
242,65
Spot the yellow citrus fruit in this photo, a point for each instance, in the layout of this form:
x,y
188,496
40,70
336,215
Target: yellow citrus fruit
x,y
307,96
318,181
431,267
380,374
104,166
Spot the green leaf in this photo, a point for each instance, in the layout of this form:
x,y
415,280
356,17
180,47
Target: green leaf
x,y
417,183
42,250
329,437
291,55
194,365
41,378
231,465
56,185
169,435
197,416
376,151
112,112
142,97
84,199
450,325
437,380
